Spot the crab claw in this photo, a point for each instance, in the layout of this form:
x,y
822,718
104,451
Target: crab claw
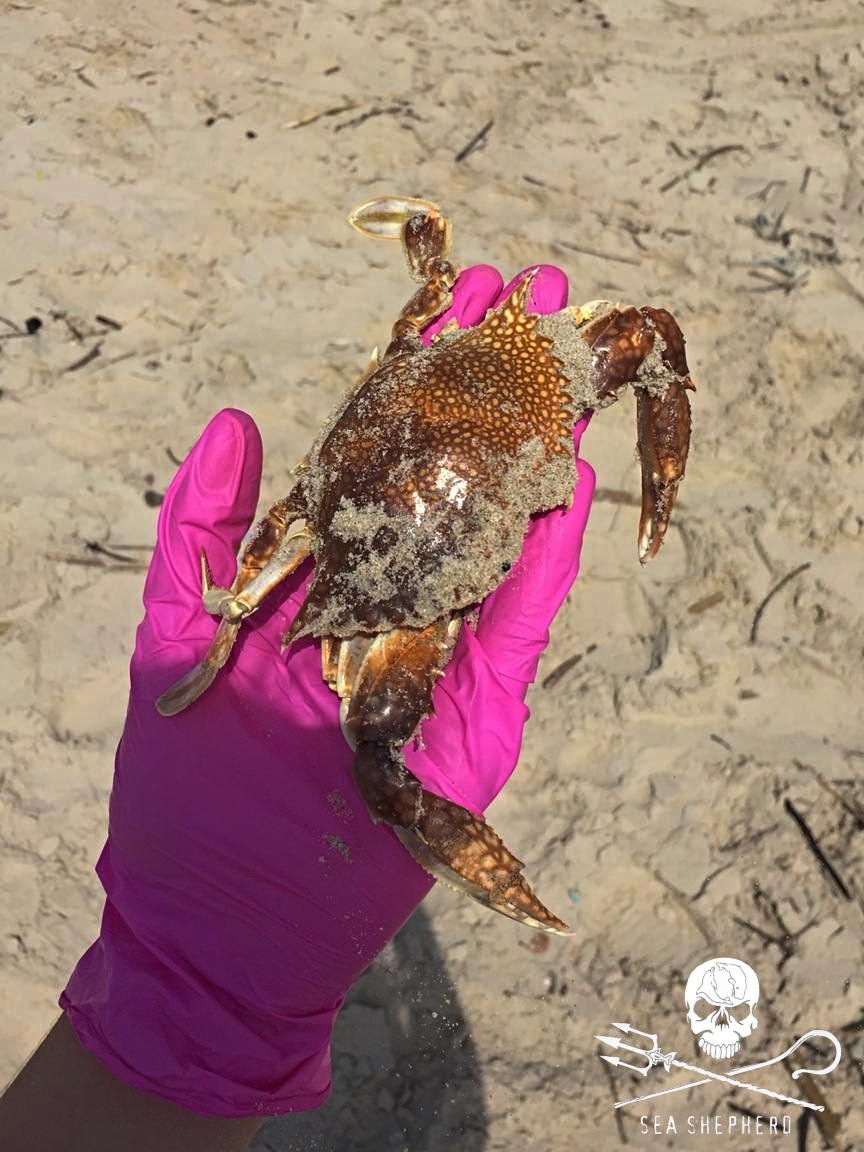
x,y
644,347
469,855
384,217
663,424
424,232
447,840
663,434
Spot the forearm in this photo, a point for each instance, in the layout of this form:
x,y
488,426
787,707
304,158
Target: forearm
x,y
65,1100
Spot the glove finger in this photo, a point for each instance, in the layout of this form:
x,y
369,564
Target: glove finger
x,y
549,289
471,743
514,621
474,293
209,505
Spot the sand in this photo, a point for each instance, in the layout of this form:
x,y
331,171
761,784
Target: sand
x,y
700,157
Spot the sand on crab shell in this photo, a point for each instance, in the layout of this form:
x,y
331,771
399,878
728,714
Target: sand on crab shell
x,y
475,546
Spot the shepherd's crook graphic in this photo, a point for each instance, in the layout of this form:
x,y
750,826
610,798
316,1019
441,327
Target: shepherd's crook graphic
x,y
655,1056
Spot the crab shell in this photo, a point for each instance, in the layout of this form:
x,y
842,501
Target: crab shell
x,y
421,492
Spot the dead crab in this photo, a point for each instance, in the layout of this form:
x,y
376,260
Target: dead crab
x,y
414,502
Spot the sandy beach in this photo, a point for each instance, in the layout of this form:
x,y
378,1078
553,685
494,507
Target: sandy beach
x,y
176,183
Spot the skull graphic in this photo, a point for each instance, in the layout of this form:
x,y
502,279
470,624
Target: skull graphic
x,y
720,996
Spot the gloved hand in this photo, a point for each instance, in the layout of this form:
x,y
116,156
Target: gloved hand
x,y
247,886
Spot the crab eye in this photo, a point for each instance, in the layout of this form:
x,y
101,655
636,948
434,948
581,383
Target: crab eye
x,y
506,566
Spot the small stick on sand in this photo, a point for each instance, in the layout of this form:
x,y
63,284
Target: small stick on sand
x,y
600,255
88,358
813,844
85,562
701,161
855,810
474,143
754,628
311,117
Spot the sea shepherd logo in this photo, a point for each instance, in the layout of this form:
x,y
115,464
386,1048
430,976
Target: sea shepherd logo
x,y
721,998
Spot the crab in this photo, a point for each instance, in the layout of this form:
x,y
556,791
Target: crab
x,y
414,501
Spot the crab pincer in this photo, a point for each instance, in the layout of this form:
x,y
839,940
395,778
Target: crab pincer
x,y
414,502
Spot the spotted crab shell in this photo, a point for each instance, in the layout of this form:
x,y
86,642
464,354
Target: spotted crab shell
x,y
421,490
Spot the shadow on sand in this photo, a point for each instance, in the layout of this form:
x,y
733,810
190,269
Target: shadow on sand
x,y
405,1071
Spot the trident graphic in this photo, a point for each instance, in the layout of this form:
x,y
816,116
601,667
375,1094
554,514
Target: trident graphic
x,y
655,1057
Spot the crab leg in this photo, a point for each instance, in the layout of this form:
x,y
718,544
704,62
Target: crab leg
x,y
198,679
269,534
389,697
269,557
425,237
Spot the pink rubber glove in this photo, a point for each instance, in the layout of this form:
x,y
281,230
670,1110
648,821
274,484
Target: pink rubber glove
x,y
247,886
